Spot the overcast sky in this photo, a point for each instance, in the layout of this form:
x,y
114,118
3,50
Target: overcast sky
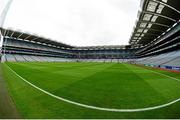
x,y
76,22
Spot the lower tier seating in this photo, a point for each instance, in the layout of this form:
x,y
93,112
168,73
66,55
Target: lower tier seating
x,y
31,58
166,59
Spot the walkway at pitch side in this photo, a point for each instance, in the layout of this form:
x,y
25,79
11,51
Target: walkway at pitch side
x,y
7,107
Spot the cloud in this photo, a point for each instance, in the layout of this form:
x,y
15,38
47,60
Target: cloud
x,y
76,22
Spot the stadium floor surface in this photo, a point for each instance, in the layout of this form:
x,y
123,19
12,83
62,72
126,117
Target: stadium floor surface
x,y
105,85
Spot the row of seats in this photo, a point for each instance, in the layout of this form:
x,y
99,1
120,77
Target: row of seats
x,y
30,58
24,44
105,60
168,59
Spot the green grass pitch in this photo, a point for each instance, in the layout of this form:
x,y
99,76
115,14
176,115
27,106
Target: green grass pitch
x,y
106,85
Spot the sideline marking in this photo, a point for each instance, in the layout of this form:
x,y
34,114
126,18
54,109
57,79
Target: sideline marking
x,y
165,75
94,107
159,73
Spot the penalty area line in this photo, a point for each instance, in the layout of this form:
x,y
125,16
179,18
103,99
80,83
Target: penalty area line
x,y
93,107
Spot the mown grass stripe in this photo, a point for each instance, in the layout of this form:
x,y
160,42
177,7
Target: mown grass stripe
x,y
94,107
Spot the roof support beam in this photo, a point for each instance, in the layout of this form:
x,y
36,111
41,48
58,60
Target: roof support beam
x,y
159,15
34,39
27,37
12,34
167,5
148,29
7,32
142,21
4,33
147,34
19,35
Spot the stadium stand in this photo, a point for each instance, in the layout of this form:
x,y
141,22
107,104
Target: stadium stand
x,y
155,41
19,46
157,33
169,59
30,58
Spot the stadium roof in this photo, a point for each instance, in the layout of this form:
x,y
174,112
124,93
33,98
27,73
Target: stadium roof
x,y
32,38
40,39
154,19
80,23
105,47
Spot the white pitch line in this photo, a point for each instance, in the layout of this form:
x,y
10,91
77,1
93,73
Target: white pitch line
x,y
165,75
95,107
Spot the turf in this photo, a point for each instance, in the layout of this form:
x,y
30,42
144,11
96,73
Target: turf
x,y
7,108
109,85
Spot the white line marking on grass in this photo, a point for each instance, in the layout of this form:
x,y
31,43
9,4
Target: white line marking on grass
x,y
94,107
165,75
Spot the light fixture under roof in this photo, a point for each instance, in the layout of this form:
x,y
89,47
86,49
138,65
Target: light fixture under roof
x,y
147,17
137,35
165,1
154,18
145,31
152,6
143,25
139,30
160,8
149,25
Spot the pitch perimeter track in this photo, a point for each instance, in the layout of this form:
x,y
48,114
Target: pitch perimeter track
x,y
7,108
101,108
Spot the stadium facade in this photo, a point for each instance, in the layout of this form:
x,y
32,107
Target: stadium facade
x,y
155,41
